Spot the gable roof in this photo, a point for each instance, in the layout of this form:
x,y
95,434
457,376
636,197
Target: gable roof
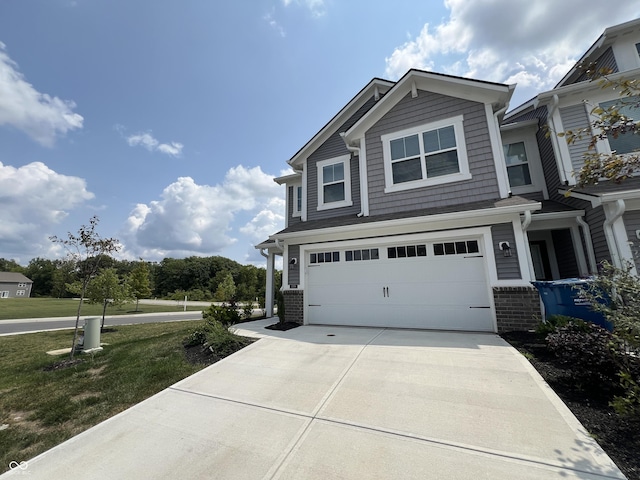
x,y
497,94
377,86
13,277
603,42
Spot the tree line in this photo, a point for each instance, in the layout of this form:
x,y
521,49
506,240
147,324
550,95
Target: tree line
x,y
198,278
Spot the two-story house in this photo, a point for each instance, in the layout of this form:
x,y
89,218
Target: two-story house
x,y
421,205
14,285
609,212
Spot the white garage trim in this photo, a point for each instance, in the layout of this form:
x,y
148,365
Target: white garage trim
x,y
482,234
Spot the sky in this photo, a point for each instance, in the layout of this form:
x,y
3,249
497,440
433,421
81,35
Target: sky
x,y
168,120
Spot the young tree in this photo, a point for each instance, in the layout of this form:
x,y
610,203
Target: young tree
x,y
226,291
107,290
85,250
139,282
611,121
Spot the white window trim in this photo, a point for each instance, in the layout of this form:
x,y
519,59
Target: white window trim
x,y
295,198
4,294
461,146
527,136
347,202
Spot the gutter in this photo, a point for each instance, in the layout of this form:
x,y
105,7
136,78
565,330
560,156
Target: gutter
x,y
586,231
609,233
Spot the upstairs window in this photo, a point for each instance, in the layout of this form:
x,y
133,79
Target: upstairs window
x,y
428,155
334,183
515,156
630,108
297,200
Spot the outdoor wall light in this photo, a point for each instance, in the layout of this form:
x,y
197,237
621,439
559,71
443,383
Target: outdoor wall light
x,y
292,262
506,249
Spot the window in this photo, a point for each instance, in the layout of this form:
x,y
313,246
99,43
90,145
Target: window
x,y
297,200
407,251
427,155
19,293
22,285
627,142
515,156
324,257
456,248
366,254
334,183
4,294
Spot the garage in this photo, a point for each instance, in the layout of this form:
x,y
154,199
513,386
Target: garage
x,y
431,285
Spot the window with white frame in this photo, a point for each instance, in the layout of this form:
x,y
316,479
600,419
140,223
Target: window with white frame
x,y
515,156
334,183
22,285
4,294
19,293
297,200
629,141
427,155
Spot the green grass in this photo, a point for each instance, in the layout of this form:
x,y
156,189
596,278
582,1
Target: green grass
x,y
11,308
44,408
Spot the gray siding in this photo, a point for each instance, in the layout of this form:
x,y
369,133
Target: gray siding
x,y
632,223
508,267
334,147
294,270
412,112
574,118
13,288
606,60
595,218
565,254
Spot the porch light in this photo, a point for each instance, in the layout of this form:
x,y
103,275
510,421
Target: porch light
x,y
506,249
292,262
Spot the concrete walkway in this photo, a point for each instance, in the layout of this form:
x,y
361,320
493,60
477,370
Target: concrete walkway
x,y
343,403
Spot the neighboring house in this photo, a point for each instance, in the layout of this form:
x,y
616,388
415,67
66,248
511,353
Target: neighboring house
x,y
14,285
420,205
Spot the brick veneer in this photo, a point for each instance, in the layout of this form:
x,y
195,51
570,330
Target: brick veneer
x,y
293,306
517,308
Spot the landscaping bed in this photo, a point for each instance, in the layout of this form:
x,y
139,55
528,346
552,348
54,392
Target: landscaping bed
x,y
618,435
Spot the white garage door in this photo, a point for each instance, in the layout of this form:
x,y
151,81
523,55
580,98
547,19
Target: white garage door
x,y
438,285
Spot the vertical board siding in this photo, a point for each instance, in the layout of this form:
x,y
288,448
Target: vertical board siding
x,y
507,267
426,108
595,218
606,60
632,223
574,118
565,254
294,270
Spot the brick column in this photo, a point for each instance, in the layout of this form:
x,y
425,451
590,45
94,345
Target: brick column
x,y
517,308
293,305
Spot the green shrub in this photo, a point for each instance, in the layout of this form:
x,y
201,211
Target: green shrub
x,y
592,355
555,321
226,314
280,304
197,337
629,403
221,341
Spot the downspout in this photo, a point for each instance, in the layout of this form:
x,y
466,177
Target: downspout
x,y
586,232
554,139
611,237
265,255
526,221
355,151
496,124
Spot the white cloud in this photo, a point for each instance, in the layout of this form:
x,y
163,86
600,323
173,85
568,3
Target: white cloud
x,y
273,23
33,199
533,44
39,115
148,141
191,219
316,7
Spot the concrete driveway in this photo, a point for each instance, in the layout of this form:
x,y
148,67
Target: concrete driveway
x,y
343,403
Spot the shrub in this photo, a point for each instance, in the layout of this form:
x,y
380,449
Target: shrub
x,y
593,355
197,337
226,314
552,323
280,305
629,403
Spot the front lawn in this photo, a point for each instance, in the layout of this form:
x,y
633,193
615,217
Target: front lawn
x,y
15,308
43,402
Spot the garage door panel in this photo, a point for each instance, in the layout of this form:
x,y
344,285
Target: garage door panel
x,y
437,292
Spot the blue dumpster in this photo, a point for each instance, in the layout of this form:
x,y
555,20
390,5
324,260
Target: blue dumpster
x,y
561,297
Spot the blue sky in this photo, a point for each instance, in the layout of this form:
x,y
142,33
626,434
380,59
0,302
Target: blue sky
x,y
168,120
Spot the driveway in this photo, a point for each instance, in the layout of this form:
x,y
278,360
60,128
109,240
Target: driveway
x,y
343,403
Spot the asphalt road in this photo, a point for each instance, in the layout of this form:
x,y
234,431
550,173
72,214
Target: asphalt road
x,y
11,327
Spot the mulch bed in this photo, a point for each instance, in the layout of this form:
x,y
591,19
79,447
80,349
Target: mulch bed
x,y
282,326
618,436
